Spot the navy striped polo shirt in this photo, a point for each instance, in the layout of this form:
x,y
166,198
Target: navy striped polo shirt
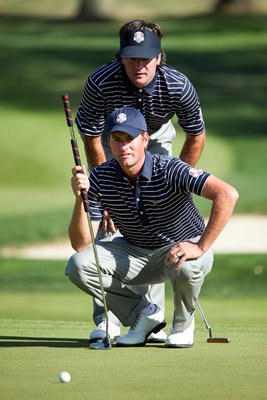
x,y
157,210
170,93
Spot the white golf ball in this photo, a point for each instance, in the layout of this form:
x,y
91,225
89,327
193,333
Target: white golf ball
x,y
64,377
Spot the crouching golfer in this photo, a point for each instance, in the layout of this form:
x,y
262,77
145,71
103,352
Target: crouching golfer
x,y
163,236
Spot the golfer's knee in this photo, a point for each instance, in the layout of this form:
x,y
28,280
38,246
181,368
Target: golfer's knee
x,y
188,272
75,268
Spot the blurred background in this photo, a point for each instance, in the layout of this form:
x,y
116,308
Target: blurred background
x,y
48,48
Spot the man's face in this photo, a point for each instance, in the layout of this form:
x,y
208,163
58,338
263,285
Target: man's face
x,y
128,151
141,71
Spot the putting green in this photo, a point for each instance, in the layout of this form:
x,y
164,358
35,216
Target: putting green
x,y
34,352
45,323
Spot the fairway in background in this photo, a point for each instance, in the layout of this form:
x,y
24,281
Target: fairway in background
x,y
222,56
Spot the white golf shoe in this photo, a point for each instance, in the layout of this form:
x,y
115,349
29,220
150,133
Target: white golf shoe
x,y
142,328
158,337
181,339
100,331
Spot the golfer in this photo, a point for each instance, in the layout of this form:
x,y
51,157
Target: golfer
x,y
164,238
139,78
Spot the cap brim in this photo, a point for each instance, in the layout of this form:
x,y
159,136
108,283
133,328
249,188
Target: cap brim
x,y
134,132
139,52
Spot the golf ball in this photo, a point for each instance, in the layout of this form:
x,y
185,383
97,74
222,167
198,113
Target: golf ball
x,y
64,377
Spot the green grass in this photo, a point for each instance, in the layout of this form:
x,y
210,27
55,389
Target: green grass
x,y
45,322
31,366
225,58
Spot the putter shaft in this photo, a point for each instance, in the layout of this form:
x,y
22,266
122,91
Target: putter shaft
x,y
210,339
77,160
98,270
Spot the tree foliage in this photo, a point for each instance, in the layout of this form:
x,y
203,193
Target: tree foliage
x,y
94,10
234,6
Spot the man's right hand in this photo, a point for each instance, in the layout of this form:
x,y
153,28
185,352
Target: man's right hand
x,y
79,180
108,225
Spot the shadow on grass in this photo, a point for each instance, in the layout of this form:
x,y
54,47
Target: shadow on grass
x,y
29,341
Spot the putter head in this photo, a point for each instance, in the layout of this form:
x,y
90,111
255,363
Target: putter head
x,y
101,344
218,340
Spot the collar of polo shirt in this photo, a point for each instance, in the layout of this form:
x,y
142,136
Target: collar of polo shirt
x,y
132,89
146,170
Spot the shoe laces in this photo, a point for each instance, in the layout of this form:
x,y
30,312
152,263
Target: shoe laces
x,y
135,323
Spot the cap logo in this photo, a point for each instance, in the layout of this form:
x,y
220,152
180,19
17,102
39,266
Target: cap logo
x,y
121,118
138,37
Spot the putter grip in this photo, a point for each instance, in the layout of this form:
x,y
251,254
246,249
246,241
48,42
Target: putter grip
x,y
67,109
77,160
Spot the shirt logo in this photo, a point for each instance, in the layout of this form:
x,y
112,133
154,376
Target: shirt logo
x,y
195,173
138,37
121,118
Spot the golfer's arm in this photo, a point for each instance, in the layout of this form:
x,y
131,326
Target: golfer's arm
x,y
94,150
192,148
224,198
79,233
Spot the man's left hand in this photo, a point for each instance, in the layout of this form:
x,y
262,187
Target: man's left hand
x,y
181,252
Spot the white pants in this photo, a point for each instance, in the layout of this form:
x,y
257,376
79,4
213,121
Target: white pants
x,y
123,264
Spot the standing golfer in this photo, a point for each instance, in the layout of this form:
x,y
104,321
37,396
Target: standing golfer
x,y
140,78
164,238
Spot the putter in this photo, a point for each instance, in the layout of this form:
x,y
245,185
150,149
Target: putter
x,y
210,338
105,343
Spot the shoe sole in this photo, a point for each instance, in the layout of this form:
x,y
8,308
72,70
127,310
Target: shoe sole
x,y
178,346
154,330
101,338
155,340
102,344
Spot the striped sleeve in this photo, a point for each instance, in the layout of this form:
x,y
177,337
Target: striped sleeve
x,y
185,178
189,111
90,116
92,112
